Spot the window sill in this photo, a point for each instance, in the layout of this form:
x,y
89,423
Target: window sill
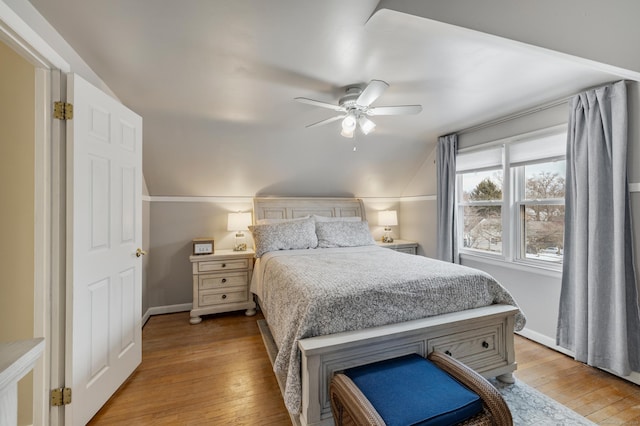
x,y
548,270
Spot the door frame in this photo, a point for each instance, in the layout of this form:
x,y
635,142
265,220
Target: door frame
x,y
49,201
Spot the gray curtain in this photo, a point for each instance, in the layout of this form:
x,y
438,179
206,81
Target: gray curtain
x,y
446,174
599,317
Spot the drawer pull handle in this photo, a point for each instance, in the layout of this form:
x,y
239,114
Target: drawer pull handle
x,y
447,352
224,280
224,265
224,296
485,345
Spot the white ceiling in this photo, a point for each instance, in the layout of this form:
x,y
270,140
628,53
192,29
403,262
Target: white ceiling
x,y
215,80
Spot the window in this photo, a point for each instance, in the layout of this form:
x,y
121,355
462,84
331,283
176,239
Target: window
x,y
541,210
482,210
511,200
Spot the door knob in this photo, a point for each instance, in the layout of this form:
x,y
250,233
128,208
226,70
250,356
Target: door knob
x,y
140,252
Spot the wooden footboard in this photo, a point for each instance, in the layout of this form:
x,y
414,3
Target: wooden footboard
x,y
482,338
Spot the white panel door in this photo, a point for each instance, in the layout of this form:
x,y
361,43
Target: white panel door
x,y
104,229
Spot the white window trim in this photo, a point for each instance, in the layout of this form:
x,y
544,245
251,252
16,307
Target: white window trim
x,y
511,255
460,217
518,266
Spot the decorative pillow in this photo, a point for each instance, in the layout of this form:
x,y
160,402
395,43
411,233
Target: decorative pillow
x,y
344,234
295,234
271,221
336,219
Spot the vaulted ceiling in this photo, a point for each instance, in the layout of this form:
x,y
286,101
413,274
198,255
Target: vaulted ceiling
x,y
215,80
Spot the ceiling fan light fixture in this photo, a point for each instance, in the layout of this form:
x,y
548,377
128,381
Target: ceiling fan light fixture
x,y
355,105
367,126
349,123
347,133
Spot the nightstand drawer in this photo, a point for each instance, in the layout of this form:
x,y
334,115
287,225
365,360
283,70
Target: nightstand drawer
x,y
234,294
406,250
209,281
222,265
403,246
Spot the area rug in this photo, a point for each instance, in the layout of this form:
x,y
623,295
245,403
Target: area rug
x,y
528,406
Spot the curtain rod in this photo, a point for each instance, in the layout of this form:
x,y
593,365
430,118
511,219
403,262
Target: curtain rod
x,y
526,112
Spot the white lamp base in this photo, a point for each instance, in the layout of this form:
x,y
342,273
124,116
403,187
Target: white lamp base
x,y
240,243
386,238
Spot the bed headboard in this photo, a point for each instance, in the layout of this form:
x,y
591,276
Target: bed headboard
x,y
293,207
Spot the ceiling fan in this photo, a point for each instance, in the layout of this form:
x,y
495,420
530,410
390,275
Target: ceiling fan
x,y
355,106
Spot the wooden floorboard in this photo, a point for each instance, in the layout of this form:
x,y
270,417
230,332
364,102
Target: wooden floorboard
x,y
218,373
599,396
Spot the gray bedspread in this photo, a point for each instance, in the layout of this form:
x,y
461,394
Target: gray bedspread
x,y
316,292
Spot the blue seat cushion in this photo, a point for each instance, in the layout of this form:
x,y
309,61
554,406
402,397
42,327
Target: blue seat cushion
x,y
411,390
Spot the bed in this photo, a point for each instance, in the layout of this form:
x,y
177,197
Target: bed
x,y
333,299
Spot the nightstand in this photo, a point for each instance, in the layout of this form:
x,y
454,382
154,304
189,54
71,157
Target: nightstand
x,y
221,283
403,246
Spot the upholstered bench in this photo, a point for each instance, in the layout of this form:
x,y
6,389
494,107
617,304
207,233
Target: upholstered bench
x,y
411,390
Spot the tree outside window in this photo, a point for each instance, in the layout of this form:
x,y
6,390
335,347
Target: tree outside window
x,y
483,210
543,211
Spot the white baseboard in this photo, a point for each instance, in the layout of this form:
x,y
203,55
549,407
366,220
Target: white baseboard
x,y
169,309
544,340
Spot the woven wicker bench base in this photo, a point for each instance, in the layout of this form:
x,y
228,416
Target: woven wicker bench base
x,y
351,407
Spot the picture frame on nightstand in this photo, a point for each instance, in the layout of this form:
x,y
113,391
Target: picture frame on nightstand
x,y
203,246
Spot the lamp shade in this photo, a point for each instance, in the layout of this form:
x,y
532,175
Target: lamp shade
x,y
239,221
387,218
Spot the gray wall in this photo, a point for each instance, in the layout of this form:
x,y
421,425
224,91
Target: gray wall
x,y
146,242
418,206
173,224
418,223
175,221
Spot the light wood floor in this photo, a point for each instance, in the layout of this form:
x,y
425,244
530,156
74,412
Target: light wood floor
x,y
218,373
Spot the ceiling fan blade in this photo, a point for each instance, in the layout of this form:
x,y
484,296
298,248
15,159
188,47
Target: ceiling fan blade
x,y
374,89
320,104
327,121
395,110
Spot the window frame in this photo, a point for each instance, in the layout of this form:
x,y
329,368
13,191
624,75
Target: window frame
x,y
520,202
461,204
512,203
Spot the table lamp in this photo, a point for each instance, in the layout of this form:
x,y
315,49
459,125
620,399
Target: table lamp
x,y
387,218
238,223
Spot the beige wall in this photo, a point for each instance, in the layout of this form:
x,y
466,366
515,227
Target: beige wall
x,y
17,111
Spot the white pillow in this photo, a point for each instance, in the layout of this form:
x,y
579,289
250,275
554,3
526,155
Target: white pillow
x,y
336,218
344,234
294,234
271,221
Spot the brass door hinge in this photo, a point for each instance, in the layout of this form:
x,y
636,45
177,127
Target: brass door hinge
x,y
62,111
60,396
